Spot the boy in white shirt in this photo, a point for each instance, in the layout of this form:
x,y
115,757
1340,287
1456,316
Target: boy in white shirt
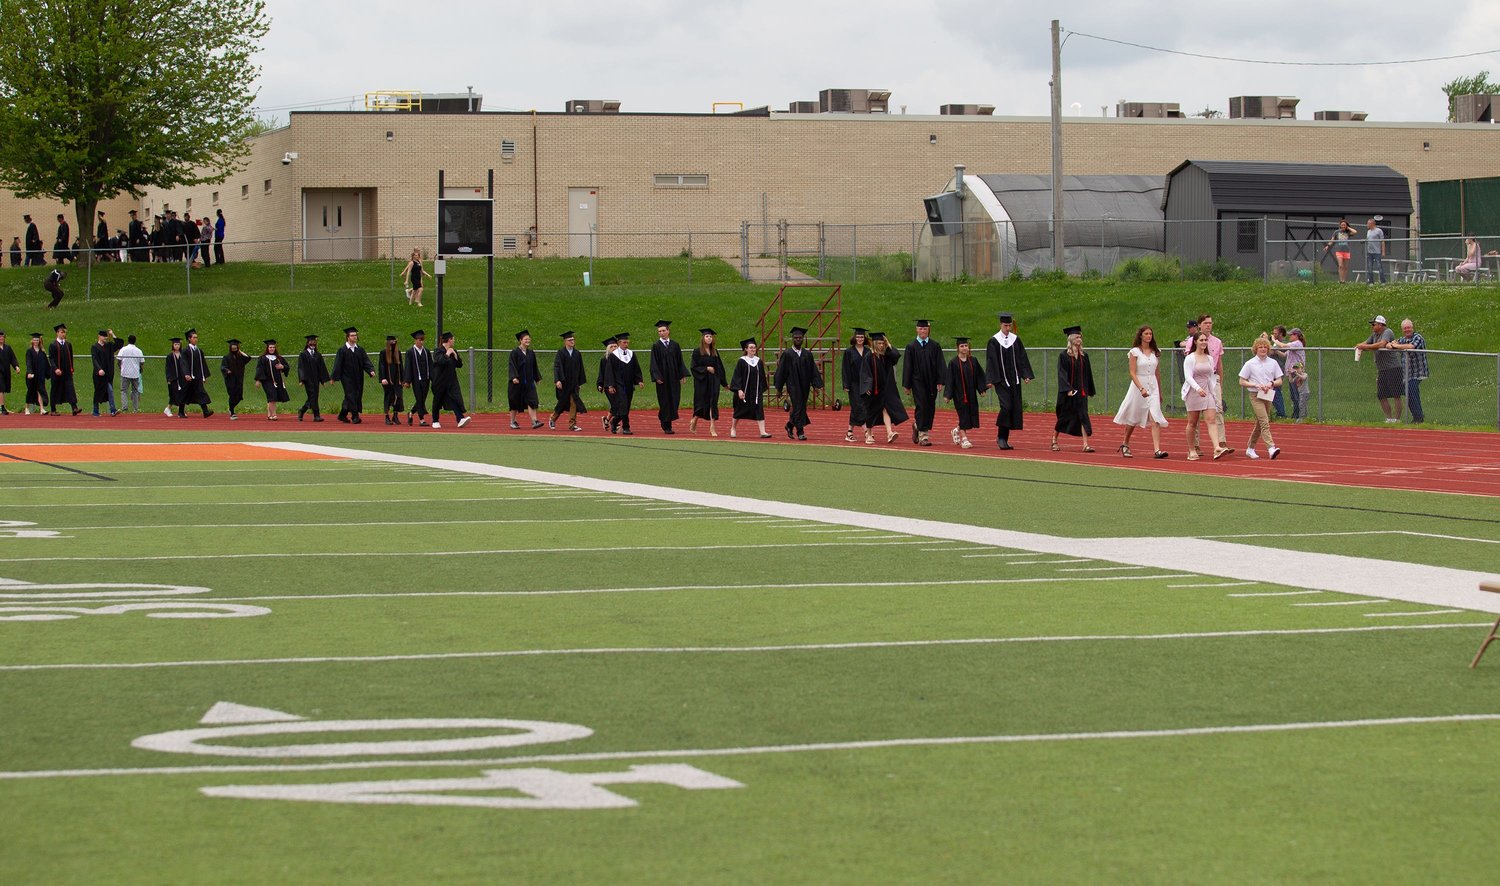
x,y
1261,376
130,359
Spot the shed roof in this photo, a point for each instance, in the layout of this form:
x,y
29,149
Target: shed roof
x,y
1088,200
1325,188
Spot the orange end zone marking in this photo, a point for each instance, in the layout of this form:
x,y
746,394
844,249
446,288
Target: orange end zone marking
x,y
124,452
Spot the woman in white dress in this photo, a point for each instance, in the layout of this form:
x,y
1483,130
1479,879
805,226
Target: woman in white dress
x,y
1201,402
1142,404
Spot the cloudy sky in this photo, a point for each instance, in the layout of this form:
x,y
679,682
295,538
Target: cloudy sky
x,y
683,55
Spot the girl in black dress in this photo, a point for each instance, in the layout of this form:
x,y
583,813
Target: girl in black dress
x,y
882,398
708,378
749,388
177,367
1075,385
270,377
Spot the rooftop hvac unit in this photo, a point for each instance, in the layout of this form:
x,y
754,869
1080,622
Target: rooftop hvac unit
x,y
1474,108
1148,109
1263,107
854,101
967,110
802,108
593,106
1347,116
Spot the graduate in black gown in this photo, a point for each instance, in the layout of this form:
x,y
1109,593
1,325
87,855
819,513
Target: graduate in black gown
x,y
854,356
524,375
797,374
390,372
1007,369
622,375
1075,385
447,392
668,374
102,370
312,373
417,375
921,376
877,385
60,357
748,385
965,383
709,378
350,366
270,376
195,382
38,370
176,371
232,366
8,366
568,379
610,344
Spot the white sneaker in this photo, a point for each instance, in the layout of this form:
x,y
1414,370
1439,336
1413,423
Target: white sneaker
x,y
1273,452
436,426
465,420
167,412
1251,453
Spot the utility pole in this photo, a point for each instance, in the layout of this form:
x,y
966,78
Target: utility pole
x,y
1057,182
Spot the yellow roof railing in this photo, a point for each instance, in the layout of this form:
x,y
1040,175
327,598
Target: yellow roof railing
x,y
394,100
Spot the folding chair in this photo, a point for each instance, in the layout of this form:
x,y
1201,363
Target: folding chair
x,y
1493,587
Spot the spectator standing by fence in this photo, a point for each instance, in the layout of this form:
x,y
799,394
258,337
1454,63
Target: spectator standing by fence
x,y
131,360
1339,244
1295,349
1415,346
1390,384
1374,251
219,236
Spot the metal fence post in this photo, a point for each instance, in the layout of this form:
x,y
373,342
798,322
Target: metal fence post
x,y
88,284
393,261
292,262
1106,378
1320,384
470,362
913,275
745,250
188,264
822,252
690,258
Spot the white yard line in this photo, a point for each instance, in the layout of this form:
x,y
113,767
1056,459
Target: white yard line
x,y
1347,603
1099,568
1224,584
1274,593
722,650
339,501
1031,562
1488,541
1410,614
761,750
301,524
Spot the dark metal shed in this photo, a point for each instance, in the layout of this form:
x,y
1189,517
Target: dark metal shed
x,y
1276,216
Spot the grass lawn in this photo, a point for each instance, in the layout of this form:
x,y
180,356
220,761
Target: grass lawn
x,y
857,705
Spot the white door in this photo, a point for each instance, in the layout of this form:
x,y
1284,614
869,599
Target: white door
x,y
583,220
332,225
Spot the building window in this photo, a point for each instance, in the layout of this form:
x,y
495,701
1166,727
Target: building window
x,y
244,192
188,205
1247,235
507,149
267,186
216,198
688,180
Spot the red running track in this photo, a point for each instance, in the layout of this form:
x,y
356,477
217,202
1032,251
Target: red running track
x,y
1462,462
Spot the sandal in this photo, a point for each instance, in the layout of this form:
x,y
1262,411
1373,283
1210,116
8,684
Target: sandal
x,y
1160,453
1124,451
869,438
1220,453
1055,447
891,436
1088,449
1193,456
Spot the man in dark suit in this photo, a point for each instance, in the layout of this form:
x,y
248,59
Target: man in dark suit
x,y
568,377
350,366
60,358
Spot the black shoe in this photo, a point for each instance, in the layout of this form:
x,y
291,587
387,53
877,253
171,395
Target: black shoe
x,y
317,418
1005,444
552,424
790,434
301,412
343,418
408,419
628,432
801,436
207,412
77,411
668,430
355,419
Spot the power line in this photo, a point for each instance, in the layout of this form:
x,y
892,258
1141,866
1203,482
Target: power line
x,y
1261,61
336,100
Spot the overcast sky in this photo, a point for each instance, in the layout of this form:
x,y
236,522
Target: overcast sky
x,y
683,55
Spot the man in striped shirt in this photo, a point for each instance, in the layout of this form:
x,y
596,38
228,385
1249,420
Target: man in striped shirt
x,y
1415,345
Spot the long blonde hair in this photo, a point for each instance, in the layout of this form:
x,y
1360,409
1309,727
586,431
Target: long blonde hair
x,y
1075,344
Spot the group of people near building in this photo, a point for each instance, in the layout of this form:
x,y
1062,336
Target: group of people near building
x,y
170,239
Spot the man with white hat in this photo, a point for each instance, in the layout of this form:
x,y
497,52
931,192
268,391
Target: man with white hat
x,y
1390,381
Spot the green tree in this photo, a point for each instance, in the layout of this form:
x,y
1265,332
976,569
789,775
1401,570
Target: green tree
x,y
1479,84
104,97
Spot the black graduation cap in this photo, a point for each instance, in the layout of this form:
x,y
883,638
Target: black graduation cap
x,y
924,322
798,330
232,341
175,340
661,323
445,336
745,343
961,340
859,330
622,336
1073,330
312,338
419,333
104,332
61,327
567,335
707,330
270,341
390,338
609,341
350,330
189,333
876,336
523,333
1007,317
36,335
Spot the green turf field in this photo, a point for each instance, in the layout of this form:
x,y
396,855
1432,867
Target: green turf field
x,y
833,702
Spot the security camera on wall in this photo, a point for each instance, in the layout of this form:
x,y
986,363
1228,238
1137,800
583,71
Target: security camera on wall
x,y
288,157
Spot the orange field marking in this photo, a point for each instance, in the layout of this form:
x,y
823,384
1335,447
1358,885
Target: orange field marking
x,y
116,452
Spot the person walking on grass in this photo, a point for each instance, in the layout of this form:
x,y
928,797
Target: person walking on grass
x,y
748,386
60,358
1142,404
1008,368
796,376
232,366
965,382
38,371
391,376
668,372
568,379
708,378
1339,244
854,357
524,375
417,375
1075,385
195,383
1390,380
131,360
1202,401
270,376
350,366
8,366
312,374
412,274
1262,377
447,393
1415,366
103,356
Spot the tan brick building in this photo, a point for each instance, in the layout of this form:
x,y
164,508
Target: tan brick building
x,y
347,184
